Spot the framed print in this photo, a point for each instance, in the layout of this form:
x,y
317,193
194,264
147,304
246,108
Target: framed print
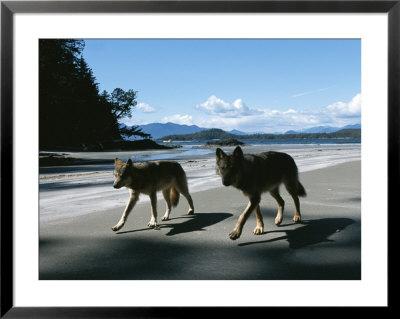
x,y
209,104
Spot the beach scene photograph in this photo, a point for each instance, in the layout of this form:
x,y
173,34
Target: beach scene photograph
x,y
200,159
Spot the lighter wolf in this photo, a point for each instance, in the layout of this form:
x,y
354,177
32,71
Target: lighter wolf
x,y
148,178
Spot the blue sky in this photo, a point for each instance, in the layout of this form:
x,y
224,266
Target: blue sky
x,y
253,85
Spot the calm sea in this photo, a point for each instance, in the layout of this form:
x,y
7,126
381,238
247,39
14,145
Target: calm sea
x,y
281,141
190,149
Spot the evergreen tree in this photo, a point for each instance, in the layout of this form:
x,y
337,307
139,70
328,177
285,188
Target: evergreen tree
x,y
121,103
72,112
57,73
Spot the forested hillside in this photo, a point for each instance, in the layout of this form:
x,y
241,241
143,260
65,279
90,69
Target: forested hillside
x,y
213,134
72,111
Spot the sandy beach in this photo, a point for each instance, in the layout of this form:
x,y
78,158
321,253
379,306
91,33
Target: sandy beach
x,y
78,207
67,191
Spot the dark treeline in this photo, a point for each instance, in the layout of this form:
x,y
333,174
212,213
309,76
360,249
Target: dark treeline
x,y
345,133
72,111
220,134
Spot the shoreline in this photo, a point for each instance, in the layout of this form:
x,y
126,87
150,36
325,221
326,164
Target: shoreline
x,y
67,158
81,189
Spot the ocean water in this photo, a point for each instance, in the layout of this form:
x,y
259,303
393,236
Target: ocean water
x,y
192,149
276,141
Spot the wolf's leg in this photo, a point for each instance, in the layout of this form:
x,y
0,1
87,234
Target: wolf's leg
x,y
253,203
260,224
297,215
183,189
153,219
281,205
190,201
129,206
292,190
168,204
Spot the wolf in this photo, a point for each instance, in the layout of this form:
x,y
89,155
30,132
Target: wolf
x,y
256,174
148,178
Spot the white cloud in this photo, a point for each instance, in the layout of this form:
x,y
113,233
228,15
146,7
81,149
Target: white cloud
x,y
179,119
217,106
146,108
350,109
266,120
221,114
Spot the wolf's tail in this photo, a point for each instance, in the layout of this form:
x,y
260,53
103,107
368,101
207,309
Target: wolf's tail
x,y
301,190
174,196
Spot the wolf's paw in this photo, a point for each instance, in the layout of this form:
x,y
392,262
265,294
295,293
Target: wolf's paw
x,y
297,219
164,218
190,212
258,230
152,224
116,227
235,234
278,220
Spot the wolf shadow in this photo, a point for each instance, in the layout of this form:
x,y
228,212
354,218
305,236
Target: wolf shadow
x,y
313,232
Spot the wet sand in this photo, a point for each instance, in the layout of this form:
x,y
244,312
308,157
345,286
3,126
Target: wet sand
x,y
326,245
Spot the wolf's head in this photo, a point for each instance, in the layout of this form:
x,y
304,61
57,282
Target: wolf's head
x,y
229,166
121,173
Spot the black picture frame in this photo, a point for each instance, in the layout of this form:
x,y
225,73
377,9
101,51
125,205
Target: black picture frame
x,y
9,8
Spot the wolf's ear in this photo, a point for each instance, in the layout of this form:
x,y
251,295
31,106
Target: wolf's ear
x,y
129,162
220,153
238,153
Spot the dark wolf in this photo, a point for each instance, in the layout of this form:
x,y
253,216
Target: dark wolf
x,y
148,178
256,174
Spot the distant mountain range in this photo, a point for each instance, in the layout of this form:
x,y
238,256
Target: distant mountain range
x,y
158,130
161,130
325,129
